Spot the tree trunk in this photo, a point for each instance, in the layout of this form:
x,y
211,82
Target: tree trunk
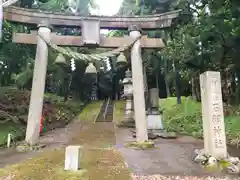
x,y
177,84
197,88
194,95
165,78
68,88
178,93
167,86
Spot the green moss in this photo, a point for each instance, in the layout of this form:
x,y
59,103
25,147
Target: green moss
x,y
90,112
223,164
141,145
118,113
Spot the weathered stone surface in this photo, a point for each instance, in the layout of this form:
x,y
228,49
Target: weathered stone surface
x,y
154,97
155,121
200,158
230,165
213,118
233,160
166,135
198,151
138,89
127,124
212,161
38,87
233,169
151,135
73,158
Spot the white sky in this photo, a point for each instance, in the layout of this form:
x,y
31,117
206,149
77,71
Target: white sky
x,y
107,7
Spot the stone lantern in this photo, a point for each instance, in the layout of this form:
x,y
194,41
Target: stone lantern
x,y
91,70
127,83
128,95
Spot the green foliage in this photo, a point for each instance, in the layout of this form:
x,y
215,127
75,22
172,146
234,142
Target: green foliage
x,y
16,130
186,118
14,102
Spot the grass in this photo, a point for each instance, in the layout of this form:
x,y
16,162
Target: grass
x,y
16,130
91,111
118,113
186,118
141,145
99,161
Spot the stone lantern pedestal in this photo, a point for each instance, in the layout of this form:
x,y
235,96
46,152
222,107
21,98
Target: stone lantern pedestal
x,y
154,117
128,120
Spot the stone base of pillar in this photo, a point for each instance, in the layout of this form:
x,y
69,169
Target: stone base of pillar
x,y
128,120
154,119
155,122
127,124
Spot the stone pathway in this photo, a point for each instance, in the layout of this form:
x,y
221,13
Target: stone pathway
x,y
169,158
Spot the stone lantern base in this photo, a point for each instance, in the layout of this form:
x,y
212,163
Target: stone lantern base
x,y
128,120
154,118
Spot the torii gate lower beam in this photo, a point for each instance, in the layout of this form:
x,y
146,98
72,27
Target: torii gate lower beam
x,y
105,42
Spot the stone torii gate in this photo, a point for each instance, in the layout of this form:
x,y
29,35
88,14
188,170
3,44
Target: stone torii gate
x,y
90,27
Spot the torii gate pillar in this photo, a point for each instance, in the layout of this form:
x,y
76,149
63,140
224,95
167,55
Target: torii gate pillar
x,y
138,87
38,86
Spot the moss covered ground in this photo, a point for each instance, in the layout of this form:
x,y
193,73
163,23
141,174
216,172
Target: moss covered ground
x,y
186,118
118,113
99,161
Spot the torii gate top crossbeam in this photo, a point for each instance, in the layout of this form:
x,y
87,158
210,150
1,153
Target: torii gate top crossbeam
x,y
31,16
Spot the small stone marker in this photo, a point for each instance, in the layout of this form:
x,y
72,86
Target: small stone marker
x,y
213,117
72,158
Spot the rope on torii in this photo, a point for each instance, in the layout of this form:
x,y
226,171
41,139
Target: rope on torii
x,y
6,3
88,57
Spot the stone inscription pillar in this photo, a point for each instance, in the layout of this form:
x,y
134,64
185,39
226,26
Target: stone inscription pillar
x,y
38,86
138,88
213,117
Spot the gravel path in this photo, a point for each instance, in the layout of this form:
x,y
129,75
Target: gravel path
x,y
172,159
160,177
